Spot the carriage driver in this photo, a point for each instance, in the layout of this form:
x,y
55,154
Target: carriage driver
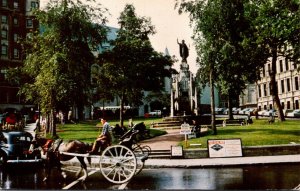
x,y
103,140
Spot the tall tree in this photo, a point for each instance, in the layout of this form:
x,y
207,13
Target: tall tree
x,y
278,30
219,26
132,66
58,59
245,34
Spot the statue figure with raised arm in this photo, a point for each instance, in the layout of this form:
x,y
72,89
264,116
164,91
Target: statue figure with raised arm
x,y
183,50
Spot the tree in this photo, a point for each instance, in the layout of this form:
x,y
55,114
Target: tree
x,y
218,29
244,34
278,30
132,66
59,59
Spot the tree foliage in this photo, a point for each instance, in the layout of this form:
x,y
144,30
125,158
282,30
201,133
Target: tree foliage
x,y
132,66
278,30
236,38
58,59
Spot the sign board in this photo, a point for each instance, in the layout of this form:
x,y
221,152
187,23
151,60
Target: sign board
x,y
176,151
185,129
224,147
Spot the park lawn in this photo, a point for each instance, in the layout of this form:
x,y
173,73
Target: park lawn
x,y
87,131
258,133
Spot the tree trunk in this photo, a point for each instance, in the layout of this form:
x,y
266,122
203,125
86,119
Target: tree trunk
x,y
52,123
121,110
230,115
274,87
212,98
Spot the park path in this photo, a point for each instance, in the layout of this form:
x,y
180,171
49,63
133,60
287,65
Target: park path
x,y
164,142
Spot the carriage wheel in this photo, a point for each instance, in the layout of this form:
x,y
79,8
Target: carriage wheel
x,y
140,151
118,164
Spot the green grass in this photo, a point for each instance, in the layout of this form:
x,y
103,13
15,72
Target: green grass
x,y
87,131
259,133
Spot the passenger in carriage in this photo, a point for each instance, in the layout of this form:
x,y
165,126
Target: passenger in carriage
x,y
103,140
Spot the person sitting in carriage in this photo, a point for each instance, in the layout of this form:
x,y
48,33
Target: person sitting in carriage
x,y
103,140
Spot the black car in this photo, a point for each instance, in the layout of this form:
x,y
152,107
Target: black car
x,y
14,148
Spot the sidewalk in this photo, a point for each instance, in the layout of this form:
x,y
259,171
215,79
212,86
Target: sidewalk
x,y
173,137
214,162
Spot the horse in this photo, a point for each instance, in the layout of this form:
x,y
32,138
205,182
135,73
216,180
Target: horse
x,y
53,149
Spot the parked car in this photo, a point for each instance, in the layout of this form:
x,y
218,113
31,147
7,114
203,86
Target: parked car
x,y
155,113
271,112
262,112
250,111
294,113
219,110
236,110
15,148
243,111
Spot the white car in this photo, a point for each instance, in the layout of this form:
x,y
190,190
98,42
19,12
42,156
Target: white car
x,y
156,113
243,111
295,113
262,112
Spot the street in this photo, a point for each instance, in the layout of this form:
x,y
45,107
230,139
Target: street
x,y
259,177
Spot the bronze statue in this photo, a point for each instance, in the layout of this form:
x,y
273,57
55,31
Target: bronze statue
x,y
183,50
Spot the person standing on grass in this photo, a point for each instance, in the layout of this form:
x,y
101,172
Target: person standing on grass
x,y
104,139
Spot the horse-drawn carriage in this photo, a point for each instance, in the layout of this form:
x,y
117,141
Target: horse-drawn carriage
x,y
118,163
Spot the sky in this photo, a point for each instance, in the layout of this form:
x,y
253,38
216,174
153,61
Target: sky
x,y
169,25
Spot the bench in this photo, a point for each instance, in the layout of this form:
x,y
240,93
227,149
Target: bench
x,y
234,122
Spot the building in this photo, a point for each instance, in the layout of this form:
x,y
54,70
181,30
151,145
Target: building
x,y
16,22
287,78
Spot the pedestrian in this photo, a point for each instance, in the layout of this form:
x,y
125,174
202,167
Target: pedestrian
x,y
103,140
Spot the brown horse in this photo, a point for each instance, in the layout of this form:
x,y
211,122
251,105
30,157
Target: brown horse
x,y
53,149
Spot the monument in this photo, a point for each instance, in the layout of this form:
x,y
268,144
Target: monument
x,y
183,96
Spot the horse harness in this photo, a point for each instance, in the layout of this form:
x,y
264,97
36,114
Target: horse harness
x,y
52,146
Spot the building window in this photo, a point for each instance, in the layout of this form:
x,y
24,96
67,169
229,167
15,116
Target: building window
x,y
295,65
296,83
288,85
297,104
265,89
16,4
16,53
29,23
280,66
288,105
16,36
269,68
16,21
286,64
34,4
259,91
282,86
271,106
4,50
282,105
4,34
4,3
4,19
